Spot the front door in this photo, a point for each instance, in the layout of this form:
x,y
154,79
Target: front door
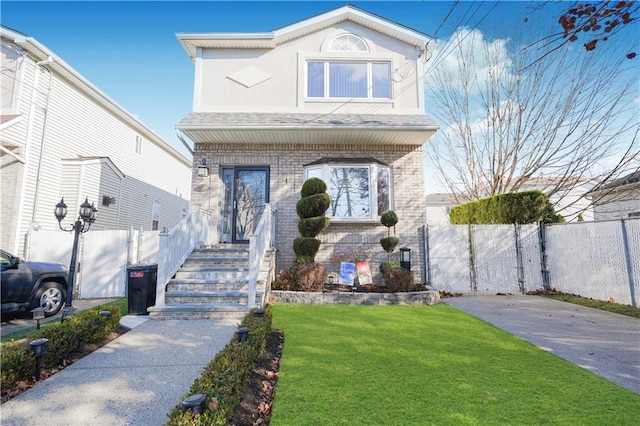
x,y
245,193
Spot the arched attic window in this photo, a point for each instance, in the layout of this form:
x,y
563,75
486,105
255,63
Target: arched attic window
x,y
348,43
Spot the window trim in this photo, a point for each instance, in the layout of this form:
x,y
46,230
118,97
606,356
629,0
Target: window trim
x,y
325,165
344,35
352,60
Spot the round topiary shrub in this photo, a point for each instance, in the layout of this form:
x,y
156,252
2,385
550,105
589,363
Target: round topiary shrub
x,y
312,226
313,205
313,186
389,244
306,246
389,218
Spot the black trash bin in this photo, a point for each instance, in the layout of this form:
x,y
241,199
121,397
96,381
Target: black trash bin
x,y
141,288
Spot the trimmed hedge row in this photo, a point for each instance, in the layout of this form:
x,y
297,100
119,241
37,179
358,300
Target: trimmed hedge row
x,y
18,362
224,377
517,207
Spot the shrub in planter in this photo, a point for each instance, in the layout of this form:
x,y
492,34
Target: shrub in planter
x,y
389,244
389,264
310,208
310,277
400,280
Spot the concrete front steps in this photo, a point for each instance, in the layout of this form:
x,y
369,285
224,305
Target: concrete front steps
x,y
212,283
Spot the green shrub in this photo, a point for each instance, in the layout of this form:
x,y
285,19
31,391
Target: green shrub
x,y
312,226
389,264
18,362
224,377
400,280
306,246
389,244
313,186
389,218
517,207
313,205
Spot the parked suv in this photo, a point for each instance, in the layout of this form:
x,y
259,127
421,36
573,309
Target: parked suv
x,y
28,285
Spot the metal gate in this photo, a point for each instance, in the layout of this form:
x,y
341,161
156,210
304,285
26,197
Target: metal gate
x,y
448,258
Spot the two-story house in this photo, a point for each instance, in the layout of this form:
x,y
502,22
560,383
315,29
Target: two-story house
x,y
63,137
339,96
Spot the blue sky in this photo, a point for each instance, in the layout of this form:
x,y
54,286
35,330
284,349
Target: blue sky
x,y
129,49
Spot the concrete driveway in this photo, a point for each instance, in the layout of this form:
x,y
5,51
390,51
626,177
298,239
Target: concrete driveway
x,y
604,343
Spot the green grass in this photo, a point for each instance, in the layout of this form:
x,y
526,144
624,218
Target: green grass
x,y
121,303
423,365
598,304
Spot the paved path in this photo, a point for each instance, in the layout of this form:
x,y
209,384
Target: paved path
x,y
134,380
602,342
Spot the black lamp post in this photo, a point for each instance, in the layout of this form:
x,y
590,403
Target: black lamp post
x,y
87,216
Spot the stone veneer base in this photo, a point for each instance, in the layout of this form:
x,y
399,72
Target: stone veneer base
x,y
348,298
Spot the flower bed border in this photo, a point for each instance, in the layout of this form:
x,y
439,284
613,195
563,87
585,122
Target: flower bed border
x,y
356,298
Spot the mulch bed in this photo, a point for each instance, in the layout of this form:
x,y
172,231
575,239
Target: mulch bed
x,y
258,392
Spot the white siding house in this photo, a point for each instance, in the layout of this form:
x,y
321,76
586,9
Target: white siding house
x,y
62,137
618,199
338,94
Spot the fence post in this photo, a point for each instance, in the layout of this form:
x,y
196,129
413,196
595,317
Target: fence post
x,y
519,263
472,262
427,272
627,258
542,239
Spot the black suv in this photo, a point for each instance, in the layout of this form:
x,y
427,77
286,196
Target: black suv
x,y
28,285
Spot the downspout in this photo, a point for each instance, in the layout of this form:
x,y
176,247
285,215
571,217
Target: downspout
x,y
186,145
27,150
34,213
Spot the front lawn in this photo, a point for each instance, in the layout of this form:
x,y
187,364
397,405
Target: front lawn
x,y
419,365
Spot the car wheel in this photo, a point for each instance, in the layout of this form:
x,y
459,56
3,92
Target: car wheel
x,y
49,296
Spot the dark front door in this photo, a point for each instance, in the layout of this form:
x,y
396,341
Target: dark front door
x,y
245,193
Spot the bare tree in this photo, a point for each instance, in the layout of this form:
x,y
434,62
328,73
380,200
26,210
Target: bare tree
x,y
508,116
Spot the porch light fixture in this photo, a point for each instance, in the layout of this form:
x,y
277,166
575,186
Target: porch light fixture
x,y
405,258
39,348
203,170
86,216
38,314
195,403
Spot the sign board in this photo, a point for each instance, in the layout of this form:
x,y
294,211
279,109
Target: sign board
x,y
364,273
347,273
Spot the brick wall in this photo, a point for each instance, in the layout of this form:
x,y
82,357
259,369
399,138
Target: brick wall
x,y
340,242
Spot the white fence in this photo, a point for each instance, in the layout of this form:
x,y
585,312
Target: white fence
x,y
600,260
103,256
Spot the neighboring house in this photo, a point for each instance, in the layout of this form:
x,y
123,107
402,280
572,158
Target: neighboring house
x,y
438,208
62,137
570,200
339,96
618,199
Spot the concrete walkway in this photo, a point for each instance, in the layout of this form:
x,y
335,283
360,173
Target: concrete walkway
x,y
604,343
134,380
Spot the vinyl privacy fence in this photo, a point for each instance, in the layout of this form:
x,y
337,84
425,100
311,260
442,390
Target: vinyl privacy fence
x,y
104,256
600,260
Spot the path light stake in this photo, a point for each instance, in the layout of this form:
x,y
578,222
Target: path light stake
x,y
195,403
39,348
243,334
38,314
105,313
258,312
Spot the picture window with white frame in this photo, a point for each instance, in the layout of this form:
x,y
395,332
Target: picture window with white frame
x,y
359,189
348,79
